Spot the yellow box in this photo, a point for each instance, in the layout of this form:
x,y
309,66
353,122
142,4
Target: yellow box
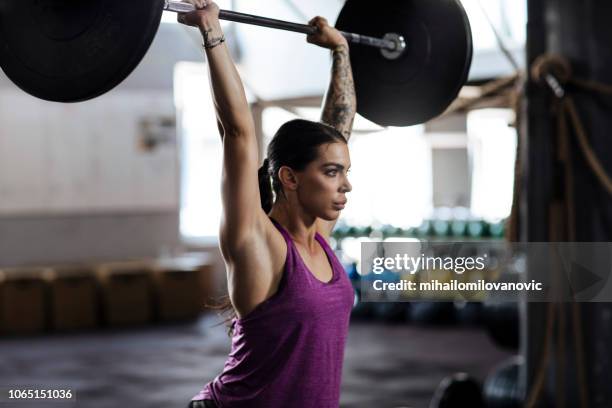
x,y
74,298
23,296
126,290
183,287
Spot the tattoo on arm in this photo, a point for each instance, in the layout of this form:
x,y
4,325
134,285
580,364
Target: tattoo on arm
x,y
340,102
210,40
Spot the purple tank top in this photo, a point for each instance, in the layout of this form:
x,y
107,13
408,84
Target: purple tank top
x,y
288,351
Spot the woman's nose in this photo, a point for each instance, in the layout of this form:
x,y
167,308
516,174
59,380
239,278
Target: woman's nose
x,y
347,187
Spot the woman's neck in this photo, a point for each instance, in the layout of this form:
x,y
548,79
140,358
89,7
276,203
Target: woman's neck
x,y
301,226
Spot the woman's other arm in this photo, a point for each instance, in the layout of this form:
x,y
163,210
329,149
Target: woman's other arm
x,y
340,103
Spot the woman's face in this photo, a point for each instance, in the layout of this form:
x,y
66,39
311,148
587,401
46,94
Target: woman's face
x,y
323,184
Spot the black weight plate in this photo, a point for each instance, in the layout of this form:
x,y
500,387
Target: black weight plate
x,y
502,388
74,50
421,83
458,390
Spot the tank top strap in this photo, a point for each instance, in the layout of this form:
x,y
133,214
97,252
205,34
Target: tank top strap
x,y
289,240
331,255
283,231
323,243
291,248
291,252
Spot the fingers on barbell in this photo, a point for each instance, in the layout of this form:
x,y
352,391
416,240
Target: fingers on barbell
x,y
318,21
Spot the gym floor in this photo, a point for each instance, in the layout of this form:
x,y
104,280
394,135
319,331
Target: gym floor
x,y
164,366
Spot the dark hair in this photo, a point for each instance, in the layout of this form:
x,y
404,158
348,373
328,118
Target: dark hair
x,y
294,145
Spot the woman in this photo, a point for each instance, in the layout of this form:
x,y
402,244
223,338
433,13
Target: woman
x,y
290,294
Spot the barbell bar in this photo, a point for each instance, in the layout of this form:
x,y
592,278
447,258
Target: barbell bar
x,y
392,44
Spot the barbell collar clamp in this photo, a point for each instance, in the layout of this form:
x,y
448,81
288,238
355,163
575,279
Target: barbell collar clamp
x,y
399,46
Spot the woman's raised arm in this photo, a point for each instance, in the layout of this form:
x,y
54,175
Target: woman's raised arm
x,y
240,188
340,104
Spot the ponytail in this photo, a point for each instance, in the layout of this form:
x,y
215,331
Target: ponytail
x,y
265,186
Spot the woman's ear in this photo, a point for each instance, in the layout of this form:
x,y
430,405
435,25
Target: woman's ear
x,y
288,178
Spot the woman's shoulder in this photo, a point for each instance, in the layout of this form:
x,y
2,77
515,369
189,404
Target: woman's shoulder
x,y
255,272
278,239
265,247
263,236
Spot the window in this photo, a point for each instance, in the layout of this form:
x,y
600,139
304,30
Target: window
x,y
492,146
508,16
201,153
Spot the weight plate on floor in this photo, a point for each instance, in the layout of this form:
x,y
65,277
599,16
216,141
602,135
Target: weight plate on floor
x,y
421,83
74,50
458,390
502,387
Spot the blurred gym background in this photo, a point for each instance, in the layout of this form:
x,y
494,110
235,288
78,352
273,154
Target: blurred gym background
x,y
109,213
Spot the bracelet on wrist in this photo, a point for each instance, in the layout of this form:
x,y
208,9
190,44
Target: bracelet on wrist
x,y
213,42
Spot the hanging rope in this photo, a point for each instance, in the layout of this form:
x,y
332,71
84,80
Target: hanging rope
x,y
496,88
556,73
513,222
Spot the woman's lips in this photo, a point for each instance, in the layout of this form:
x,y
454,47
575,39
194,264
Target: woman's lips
x,y
339,206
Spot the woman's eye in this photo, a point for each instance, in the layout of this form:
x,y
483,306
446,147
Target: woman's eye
x,y
332,172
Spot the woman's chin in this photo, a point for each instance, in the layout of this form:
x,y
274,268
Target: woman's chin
x,y
330,215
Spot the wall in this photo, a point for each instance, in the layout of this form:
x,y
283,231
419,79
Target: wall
x,y
451,180
75,183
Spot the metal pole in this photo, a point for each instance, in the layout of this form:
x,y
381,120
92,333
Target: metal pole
x,y
180,7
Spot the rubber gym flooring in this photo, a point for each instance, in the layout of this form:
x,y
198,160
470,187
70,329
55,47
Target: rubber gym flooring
x,y
164,366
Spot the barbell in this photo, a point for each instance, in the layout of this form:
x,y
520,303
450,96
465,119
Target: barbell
x,y
409,60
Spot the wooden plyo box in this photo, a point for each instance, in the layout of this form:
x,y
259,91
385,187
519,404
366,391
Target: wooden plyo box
x,y
182,287
126,293
73,298
22,301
